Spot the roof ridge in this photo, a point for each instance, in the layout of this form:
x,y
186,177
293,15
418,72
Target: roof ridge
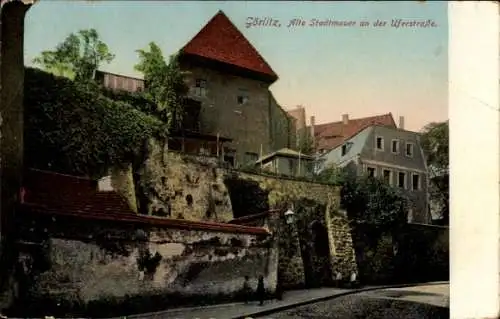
x,y
61,174
205,45
356,119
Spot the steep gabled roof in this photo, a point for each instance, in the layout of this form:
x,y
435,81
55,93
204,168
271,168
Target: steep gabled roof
x,y
220,40
331,135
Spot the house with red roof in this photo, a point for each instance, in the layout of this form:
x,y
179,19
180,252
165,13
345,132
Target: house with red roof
x,y
231,80
375,146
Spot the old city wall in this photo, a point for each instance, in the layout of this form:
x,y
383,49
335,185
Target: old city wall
x,y
92,265
220,195
312,203
182,186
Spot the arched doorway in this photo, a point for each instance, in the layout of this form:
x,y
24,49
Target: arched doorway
x,y
318,272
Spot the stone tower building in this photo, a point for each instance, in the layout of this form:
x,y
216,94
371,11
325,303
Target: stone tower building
x,y
231,80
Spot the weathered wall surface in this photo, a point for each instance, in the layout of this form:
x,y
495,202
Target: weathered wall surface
x,y
424,253
325,249
260,121
248,124
415,253
185,187
283,126
232,194
90,264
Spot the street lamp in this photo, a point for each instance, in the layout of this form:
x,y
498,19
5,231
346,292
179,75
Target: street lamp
x,y
289,216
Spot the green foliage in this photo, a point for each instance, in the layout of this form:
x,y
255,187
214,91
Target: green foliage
x,y
165,84
332,175
78,56
435,141
306,142
72,128
368,201
371,201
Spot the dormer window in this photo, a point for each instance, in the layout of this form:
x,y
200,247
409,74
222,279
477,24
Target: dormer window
x,y
344,149
379,143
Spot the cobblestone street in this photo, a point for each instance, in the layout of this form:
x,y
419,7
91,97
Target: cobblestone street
x,y
401,303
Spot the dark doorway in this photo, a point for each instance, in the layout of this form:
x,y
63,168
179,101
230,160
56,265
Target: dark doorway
x,y
320,273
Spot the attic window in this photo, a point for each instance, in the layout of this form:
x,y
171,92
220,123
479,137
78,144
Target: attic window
x,y
344,149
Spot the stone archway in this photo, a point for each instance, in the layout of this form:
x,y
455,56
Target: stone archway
x,y
317,259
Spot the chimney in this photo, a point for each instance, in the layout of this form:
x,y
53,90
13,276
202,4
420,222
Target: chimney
x,y
402,122
345,119
313,122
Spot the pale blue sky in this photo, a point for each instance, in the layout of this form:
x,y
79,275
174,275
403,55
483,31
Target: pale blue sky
x,y
329,70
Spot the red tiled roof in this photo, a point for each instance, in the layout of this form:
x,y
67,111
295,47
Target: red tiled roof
x,y
51,193
221,41
331,135
71,194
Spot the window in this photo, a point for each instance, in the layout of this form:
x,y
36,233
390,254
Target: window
x,y
379,143
229,159
370,171
402,180
242,97
387,176
200,88
395,146
409,149
344,149
415,182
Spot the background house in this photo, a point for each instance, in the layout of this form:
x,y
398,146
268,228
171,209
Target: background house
x,y
288,162
119,82
392,154
330,135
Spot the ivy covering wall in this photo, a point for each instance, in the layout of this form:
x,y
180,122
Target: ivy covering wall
x,y
74,128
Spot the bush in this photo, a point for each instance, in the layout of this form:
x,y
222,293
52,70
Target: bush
x,y
73,128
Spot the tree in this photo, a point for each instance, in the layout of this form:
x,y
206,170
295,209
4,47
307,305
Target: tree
x,y
435,142
165,84
368,201
78,57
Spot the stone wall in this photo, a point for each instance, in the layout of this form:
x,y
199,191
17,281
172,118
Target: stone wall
x,y
413,253
86,264
258,122
229,194
312,203
183,186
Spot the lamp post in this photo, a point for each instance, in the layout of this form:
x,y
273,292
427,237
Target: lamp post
x,y
289,217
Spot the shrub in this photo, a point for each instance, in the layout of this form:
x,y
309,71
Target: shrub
x,y
73,128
